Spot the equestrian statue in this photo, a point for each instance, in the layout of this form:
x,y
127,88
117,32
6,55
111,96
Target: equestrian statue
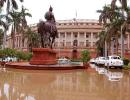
x,y
47,30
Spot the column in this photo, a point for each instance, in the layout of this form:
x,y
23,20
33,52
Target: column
x,y
91,37
71,39
78,39
59,40
65,38
84,39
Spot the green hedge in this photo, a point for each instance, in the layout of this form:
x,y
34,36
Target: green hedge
x,y
14,53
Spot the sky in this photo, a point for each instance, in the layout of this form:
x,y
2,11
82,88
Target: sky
x,y
64,9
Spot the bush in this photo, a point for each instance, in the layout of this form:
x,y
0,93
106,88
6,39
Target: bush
x,y
24,55
14,53
126,61
85,56
8,52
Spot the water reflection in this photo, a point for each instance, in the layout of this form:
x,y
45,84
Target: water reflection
x,y
115,75
61,85
111,74
101,70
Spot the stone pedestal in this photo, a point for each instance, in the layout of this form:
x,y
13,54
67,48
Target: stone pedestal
x,y
43,56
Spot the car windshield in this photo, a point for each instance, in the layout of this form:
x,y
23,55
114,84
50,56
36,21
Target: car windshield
x,y
115,57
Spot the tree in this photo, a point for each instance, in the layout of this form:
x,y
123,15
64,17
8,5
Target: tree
x,y
33,39
2,16
23,14
104,38
10,5
15,25
1,38
101,43
19,23
125,18
85,56
113,27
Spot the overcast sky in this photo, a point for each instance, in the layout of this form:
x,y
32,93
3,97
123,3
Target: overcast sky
x,y
64,9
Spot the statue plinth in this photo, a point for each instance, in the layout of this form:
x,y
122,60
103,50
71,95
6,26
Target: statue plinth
x,y
43,56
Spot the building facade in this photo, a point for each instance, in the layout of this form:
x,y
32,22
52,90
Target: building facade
x,y
74,36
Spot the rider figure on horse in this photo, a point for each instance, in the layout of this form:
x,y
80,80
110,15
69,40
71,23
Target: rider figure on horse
x,y
50,19
49,16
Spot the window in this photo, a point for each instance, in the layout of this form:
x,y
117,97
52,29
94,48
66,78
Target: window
x,y
75,34
95,35
87,43
70,23
68,44
81,34
62,35
68,35
88,34
75,42
81,44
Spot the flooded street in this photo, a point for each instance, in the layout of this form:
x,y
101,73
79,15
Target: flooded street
x,y
92,84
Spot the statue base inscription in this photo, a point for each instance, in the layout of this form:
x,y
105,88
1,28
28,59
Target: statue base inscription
x,y
43,56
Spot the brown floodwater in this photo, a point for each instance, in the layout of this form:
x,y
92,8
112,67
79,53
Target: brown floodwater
x,y
85,84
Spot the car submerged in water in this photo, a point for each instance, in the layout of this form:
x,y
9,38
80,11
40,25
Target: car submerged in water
x,y
114,61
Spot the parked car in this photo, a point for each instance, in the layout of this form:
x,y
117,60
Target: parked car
x,y
9,59
114,61
63,61
92,61
101,61
95,61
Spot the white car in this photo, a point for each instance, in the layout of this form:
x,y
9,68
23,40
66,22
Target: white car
x,y
63,61
9,59
101,61
92,61
114,61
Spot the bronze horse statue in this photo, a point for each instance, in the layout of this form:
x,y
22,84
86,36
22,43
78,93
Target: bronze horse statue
x,y
48,33
48,30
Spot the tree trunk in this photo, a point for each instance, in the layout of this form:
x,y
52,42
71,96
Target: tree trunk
x,y
122,43
4,39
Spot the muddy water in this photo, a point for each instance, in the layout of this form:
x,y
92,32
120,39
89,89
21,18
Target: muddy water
x,y
63,85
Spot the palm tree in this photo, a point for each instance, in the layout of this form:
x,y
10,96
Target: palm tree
x,y
23,14
113,27
105,15
2,23
1,38
100,43
33,39
10,4
15,25
19,23
125,19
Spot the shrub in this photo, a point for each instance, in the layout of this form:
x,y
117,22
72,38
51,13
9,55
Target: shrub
x,y
126,61
85,56
14,53
24,55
